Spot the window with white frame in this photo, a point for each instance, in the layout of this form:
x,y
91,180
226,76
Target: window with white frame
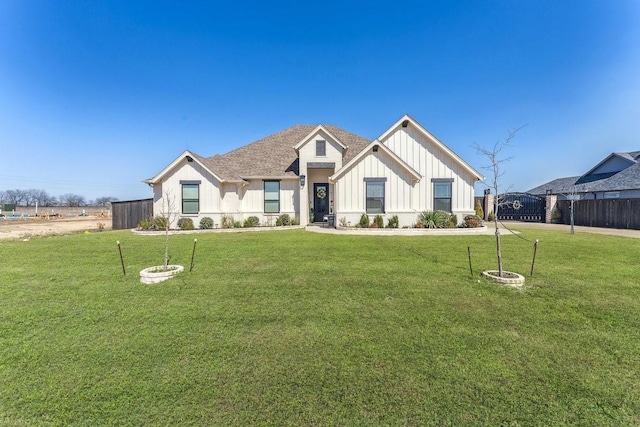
x,y
190,197
442,195
271,196
374,195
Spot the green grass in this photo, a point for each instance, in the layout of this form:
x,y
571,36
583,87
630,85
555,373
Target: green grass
x,y
296,328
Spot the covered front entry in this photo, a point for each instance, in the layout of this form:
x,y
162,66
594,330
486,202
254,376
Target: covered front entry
x,y
320,201
522,207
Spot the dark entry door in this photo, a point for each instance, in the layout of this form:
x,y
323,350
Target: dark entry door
x,y
320,201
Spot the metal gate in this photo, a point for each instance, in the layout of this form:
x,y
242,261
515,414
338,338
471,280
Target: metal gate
x,y
522,207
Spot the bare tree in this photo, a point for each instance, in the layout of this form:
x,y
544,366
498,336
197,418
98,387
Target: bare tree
x,y
105,201
15,197
41,197
572,195
169,213
73,200
494,155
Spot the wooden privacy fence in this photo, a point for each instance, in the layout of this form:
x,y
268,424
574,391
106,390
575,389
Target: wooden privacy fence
x,y
128,214
609,213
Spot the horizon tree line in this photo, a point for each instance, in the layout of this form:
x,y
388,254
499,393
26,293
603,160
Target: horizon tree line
x,y
31,197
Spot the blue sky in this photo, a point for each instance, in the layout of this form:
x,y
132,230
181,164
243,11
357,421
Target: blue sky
x,y
97,96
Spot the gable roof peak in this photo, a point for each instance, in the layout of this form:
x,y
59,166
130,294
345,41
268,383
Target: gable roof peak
x,y
407,120
317,130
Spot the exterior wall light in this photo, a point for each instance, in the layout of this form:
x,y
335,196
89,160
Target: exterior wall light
x,y
303,178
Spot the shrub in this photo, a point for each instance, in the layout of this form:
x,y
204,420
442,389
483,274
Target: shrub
x,y
364,221
159,223
472,221
393,222
252,221
206,223
378,221
283,219
373,225
453,221
227,221
295,221
479,210
491,216
343,221
237,224
185,224
433,219
146,224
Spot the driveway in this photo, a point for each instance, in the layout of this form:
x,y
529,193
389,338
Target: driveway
x,y
563,228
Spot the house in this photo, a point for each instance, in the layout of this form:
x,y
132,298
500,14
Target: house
x,y
615,177
312,171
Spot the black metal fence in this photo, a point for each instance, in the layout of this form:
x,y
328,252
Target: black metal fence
x,y
128,214
522,207
609,213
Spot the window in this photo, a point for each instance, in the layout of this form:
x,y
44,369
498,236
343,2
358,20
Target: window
x,y
321,148
190,198
375,196
442,196
272,196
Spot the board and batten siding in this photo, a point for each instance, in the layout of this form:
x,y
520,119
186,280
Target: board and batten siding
x,y
432,163
351,189
252,203
230,198
187,171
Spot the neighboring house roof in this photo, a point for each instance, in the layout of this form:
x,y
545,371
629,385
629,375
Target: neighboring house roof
x,y
625,179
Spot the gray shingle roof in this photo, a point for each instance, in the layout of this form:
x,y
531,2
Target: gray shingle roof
x,y
274,155
626,179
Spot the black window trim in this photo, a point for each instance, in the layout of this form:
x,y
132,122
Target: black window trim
x,y
382,181
321,143
450,198
264,207
197,200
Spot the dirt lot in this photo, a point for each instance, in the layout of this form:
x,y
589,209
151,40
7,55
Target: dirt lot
x,y
25,228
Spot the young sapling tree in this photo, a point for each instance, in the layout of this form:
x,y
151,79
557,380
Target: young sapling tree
x,y
494,156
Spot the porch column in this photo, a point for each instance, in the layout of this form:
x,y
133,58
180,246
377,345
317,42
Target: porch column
x,y
489,200
304,202
551,201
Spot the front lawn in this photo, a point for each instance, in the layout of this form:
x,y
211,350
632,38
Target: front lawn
x,y
297,328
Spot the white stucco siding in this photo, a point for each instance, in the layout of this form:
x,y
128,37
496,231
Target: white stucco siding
x,y
351,187
209,189
431,162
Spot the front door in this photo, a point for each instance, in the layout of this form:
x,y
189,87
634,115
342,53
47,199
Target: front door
x,y
320,201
